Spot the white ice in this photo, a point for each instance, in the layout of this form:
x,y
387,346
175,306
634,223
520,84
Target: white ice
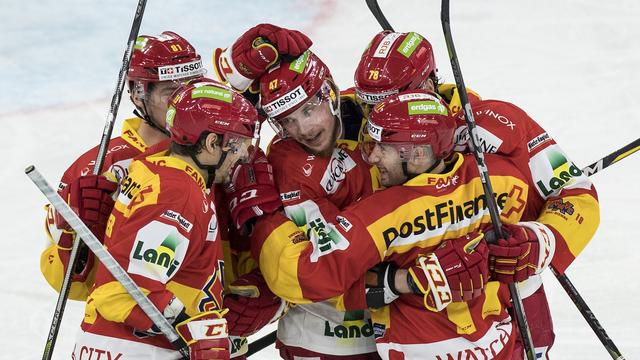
x,y
572,65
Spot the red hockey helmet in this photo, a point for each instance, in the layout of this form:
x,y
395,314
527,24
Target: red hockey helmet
x,y
289,85
205,105
167,56
393,62
413,117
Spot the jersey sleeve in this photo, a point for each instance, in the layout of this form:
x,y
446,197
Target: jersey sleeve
x,y
571,209
316,263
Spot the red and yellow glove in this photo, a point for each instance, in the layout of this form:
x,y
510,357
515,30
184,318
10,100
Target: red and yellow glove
x,y
457,270
255,51
527,251
206,335
251,305
252,191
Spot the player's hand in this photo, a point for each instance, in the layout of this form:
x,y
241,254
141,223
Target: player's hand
x,y
527,250
457,270
251,305
380,286
206,335
90,197
256,51
252,191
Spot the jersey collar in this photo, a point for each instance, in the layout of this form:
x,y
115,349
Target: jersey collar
x,y
130,133
164,159
424,179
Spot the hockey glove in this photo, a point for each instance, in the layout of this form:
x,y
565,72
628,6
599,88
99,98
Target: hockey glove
x,y
206,335
380,288
251,305
256,51
252,191
90,197
528,250
456,271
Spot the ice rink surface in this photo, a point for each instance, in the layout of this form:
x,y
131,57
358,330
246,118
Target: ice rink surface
x,y
572,65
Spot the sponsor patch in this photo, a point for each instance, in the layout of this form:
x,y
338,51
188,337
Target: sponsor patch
x,y
379,330
382,51
157,252
344,223
537,141
180,71
290,196
563,207
171,115
211,92
409,44
177,217
286,102
323,235
552,171
487,142
339,165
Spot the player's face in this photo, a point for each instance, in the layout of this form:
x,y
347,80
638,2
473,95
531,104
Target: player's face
x,y
237,151
157,100
313,126
387,159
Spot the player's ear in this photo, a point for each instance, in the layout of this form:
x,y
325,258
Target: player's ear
x,y
211,142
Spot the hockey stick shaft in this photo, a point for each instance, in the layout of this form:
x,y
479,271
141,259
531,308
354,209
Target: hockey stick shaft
x,y
521,318
104,141
377,13
261,343
564,281
105,258
612,158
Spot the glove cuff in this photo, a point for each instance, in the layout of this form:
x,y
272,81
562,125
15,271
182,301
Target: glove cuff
x,y
546,240
227,72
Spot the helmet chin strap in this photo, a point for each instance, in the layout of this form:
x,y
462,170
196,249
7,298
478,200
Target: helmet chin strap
x,y
211,169
144,115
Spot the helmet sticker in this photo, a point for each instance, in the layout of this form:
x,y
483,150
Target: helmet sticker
x,y
374,131
427,107
382,51
374,98
286,102
409,44
171,115
299,64
180,71
211,92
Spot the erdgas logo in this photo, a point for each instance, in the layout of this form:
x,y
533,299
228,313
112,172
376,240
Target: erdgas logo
x,y
286,102
158,251
180,71
446,212
339,164
426,107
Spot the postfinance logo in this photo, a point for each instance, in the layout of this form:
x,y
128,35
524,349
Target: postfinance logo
x,y
563,173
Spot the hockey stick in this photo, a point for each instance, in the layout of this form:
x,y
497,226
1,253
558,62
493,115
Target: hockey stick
x,y
261,343
106,136
521,318
613,158
564,281
107,260
377,13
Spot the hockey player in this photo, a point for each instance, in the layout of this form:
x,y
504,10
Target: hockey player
x,y
394,62
164,232
408,137
318,170
158,65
